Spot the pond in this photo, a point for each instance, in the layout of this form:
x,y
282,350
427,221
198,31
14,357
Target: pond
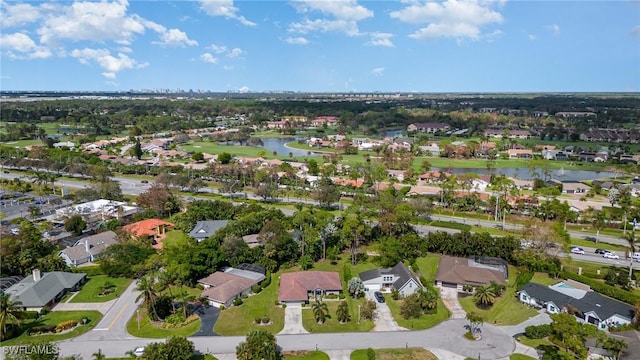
x,y
278,145
525,173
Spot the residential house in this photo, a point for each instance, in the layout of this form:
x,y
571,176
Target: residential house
x,y
302,285
322,120
578,299
520,154
423,190
456,272
223,287
398,278
430,127
88,249
153,229
295,119
207,228
509,133
575,188
276,124
434,177
251,240
65,144
522,184
43,290
432,149
396,174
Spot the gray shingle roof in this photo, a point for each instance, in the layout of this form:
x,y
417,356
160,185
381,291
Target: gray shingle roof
x,y
370,274
97,244
404,275
39,293
205,229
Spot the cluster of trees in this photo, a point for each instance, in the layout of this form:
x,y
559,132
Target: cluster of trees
x,y
321,312
423,301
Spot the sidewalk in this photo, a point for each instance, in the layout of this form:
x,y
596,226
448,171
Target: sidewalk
x,y
102,307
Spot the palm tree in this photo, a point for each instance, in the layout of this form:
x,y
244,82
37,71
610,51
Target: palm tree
x,y
165,281
343,312
599,221
484,296
10,313
146,286
631,239
184,297
320,311
99,355
475,321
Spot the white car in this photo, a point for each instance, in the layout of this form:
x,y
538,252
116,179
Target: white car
x,y
577,250
139,351
610,255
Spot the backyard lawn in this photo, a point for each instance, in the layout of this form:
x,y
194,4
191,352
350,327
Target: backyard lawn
x,y
239,320
395,354
175,238
148,330
544,279
507,310
424,321
54,318
109,287
332,324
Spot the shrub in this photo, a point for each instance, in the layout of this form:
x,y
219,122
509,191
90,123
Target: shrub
x,y
276,302
185,322
331,296
66,325
341,296
266,319
395,294
371,354
284,306
267,280
468,335
237,302
411,307
258,320
199,286
29,315
38,330
537,332
176,318
468,288
523,278
346,273
256,289
221,307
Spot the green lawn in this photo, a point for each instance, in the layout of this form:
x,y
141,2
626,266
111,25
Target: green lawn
x,y
148,330
520,357
428,267
395,354
507,310
600,245
305,355
534,343
175,238
544,279
54,318
90,292
332,324
239,320
424,321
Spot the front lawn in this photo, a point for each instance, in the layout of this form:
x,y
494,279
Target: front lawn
x,y
305,355
332,325
54,318
148,330
395,354
520,357
424,321
239,320
101,284
507,310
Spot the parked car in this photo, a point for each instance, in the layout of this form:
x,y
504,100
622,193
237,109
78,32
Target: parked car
x,y
144,181
577,250
139,351
379,296
610,255
601,251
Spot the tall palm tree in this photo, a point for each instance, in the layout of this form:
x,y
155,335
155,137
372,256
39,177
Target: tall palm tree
x,y
633,242
10,313
146,286
599,220
184,297
165,281
484,296
320,311
343,312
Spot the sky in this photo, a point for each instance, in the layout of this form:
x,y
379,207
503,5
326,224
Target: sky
x,y
321,45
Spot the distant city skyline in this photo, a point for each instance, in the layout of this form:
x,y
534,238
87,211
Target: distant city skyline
x,y
321,46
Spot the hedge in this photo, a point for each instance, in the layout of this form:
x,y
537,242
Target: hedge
x,y
90,270
451,225
537,332
604,289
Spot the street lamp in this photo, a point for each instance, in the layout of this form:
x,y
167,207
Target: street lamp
x,y
138,317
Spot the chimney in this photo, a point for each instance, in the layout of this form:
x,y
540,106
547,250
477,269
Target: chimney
x,y
86,245
36,275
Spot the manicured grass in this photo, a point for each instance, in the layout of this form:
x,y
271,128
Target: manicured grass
x,y
544,279
54,318
332,324
428,267
91,290
239,320
600,245
520,357
175,238
424,321
507,310
395,354
148,330
534,343
305,355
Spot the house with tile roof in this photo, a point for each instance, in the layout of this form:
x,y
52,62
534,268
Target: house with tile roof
x,y
43,290
88,249
153,229
585,304
398,278
302,285
223,287
455,272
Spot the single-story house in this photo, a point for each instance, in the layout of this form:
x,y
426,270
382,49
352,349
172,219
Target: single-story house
x,y
223,287
398,278
520,154
587,305
455,272
205,229
40,291
575,188
300,286
153,229
88,249
251,240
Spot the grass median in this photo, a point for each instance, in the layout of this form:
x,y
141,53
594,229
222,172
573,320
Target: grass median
x,y
145,329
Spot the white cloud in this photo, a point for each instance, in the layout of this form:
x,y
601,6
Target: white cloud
x,y
532,37
450,18
235,52
207,57
296,40
380,39
636,31
554,28
109,63
379,71
342,16
18,14
175,37
244,89
224,8
20,45
228,67
218,49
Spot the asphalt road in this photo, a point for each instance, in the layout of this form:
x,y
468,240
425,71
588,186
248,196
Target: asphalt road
x,y
590,256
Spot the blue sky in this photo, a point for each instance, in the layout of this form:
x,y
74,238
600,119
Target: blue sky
x,y
320,45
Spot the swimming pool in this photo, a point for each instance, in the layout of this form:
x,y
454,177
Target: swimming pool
x,y
564,286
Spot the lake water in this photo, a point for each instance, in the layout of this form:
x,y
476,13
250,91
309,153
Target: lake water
x,y
278,145
525,173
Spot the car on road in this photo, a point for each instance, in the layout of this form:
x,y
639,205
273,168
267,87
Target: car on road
x,y
577,250
378,295
139,351
601,251
144,181
610,255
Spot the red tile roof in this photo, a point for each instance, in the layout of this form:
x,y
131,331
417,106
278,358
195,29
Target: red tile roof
x,y
295,286
145,227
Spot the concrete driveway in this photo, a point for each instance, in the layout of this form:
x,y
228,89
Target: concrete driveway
x,y
382,317
293,320
449,297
